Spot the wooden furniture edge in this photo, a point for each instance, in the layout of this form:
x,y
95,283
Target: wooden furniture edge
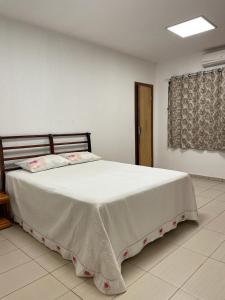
x,y
50,144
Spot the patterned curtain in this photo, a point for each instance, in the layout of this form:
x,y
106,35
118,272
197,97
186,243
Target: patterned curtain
x,y
196,112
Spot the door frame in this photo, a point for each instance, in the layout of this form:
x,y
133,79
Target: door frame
x,y
136,84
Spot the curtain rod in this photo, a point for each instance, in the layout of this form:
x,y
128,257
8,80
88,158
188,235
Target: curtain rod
x,y
196,73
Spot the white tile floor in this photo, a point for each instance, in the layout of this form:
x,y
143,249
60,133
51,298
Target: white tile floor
x,y
186,264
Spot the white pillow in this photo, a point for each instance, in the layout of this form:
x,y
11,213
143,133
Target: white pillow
x,y
42,163
79,157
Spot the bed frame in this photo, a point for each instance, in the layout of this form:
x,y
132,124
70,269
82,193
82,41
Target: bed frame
x,y
51,145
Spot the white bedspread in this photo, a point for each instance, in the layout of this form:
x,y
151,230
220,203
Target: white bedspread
x,y
99,213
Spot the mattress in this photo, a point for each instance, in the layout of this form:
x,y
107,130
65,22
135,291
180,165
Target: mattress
x,y
100,213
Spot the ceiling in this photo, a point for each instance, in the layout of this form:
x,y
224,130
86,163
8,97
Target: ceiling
x,y
135,27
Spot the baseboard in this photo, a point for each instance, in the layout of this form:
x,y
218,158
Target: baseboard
x,y
208,177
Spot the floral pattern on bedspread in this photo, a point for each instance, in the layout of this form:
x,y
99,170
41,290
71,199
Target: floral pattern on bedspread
x,y
105,285
101,213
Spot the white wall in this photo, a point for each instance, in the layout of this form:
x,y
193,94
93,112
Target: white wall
x,y
195,162
53,83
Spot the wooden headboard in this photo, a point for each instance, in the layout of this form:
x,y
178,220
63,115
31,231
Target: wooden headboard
x,y
14,148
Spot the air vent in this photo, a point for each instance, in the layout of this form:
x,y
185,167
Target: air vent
x,y
213,59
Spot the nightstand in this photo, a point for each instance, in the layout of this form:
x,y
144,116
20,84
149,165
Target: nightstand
x,y
4,209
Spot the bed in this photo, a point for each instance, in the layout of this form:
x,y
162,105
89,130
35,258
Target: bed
x,y
98,214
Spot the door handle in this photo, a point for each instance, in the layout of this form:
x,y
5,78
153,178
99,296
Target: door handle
x,y
139,130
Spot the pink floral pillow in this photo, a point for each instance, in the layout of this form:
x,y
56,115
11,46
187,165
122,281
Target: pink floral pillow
x,y
43,163
79,157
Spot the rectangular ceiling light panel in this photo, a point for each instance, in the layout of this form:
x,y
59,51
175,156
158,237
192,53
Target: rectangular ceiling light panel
x,y
191,27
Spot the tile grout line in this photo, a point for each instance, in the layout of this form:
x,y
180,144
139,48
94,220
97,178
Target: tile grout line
x,y
17,266
189,238
173,294
34,260
23,286
70,289
196,298
180,288
27,262
200,252
164,280
181,246
213,218
48,272
213,229
57,268
195,252
31,259
58,298
208,188
77,295
189,277
204,184
216,260
194,274
210,201
217,247
145,272
205,179
20,249
213,199
177,246
10,251
52,270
